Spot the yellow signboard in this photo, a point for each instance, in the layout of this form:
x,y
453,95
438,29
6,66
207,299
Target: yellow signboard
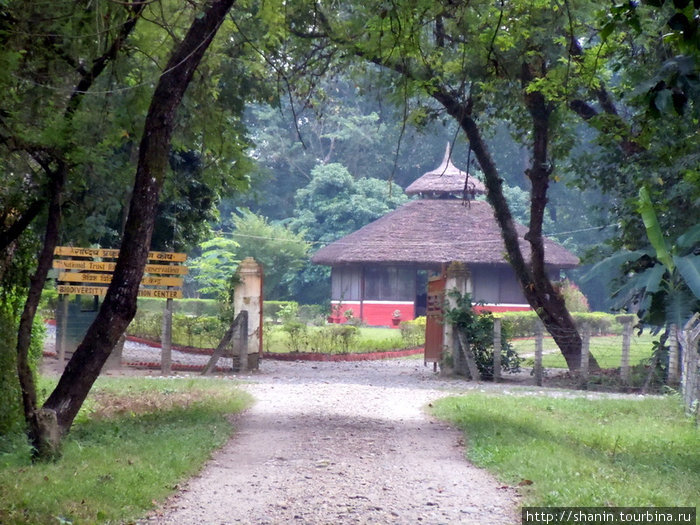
x,y
109,267
82,290
70,251
165,269
85,265
160,294
106,278
81,282
102,290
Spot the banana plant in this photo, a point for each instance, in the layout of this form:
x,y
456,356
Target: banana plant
x,y
662,283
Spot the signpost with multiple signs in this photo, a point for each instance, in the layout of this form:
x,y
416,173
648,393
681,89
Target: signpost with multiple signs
x,y
83,275
88,271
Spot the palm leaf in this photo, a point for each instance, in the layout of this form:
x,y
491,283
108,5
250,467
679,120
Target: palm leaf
x,y
690,238
610,266
689,268
651,223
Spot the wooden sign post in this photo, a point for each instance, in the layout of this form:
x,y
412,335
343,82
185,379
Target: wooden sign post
x,y
88,271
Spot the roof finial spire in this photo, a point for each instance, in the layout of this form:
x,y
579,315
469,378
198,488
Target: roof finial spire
x,y
446,161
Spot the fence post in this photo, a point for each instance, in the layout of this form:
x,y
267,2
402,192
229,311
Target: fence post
x,y
690,375
538,352
672,378
166,339
585,349
626,322
496,349
243,342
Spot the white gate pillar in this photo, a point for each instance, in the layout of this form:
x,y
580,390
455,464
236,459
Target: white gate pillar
x,y
247,295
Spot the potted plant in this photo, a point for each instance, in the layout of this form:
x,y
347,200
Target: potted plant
x,y
349,315
335,314
396,318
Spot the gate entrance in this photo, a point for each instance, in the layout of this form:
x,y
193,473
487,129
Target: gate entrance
x,y
434,322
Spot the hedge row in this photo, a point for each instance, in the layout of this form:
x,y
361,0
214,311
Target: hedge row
x,y
524,324
195,307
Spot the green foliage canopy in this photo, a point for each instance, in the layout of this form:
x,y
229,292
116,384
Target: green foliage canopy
x,y
280,251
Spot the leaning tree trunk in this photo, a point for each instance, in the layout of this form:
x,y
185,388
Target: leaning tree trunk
x,y
24,332
39,423
119,306
551,303
537,288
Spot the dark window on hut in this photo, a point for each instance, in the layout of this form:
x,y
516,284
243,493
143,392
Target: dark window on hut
x,y
390,284
485,284
496,285
345,283
510,288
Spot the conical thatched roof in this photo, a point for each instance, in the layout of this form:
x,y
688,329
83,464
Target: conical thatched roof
x,y
429,232
444,180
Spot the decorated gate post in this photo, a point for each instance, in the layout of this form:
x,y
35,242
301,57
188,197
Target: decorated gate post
x,y
457,279
247,295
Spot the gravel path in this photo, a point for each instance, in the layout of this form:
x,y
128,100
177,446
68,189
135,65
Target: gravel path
x,y
342,443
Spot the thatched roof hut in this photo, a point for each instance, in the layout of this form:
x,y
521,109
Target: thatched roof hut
x,y
381,269
429,233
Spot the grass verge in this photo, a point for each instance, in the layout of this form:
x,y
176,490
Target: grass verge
x,y
583,452
133,441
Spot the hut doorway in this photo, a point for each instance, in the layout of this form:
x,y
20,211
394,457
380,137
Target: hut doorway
x,y
421,307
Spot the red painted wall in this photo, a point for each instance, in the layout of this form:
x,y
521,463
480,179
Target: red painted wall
x,y
382,313
374,313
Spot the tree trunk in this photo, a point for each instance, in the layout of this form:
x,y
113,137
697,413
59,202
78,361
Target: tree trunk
x,y
537,288
119,306
41,425
561,325
42,445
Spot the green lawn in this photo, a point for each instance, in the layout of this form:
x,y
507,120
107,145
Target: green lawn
x,y
132,442
583,452
606,349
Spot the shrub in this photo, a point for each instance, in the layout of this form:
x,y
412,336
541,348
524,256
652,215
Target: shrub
x,y
289,311
320,340
147,325
11,413
573,297
311,313
297,333
343,336
478,328
182,306
413,332
49,302
271,309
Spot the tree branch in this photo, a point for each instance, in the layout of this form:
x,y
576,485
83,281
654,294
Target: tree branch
x,y
9,235
88,77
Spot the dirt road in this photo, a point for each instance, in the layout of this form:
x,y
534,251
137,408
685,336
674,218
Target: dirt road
x,y
342,443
